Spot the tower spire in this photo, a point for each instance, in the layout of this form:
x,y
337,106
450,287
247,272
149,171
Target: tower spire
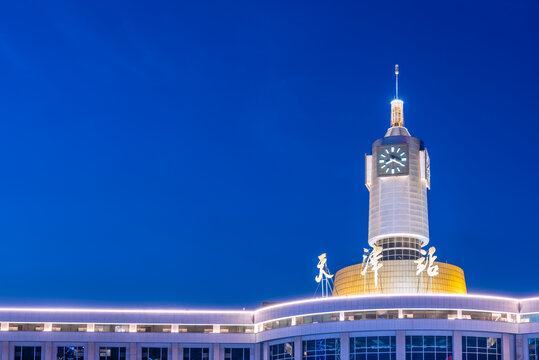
x,y
396,81
397,118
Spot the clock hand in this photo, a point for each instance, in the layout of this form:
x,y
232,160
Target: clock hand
x,y
389,162
398,162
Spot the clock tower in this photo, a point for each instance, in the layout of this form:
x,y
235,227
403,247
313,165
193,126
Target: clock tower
x,y
397,175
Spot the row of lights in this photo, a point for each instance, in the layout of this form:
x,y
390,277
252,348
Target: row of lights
x,y
131,328
511,317
296,302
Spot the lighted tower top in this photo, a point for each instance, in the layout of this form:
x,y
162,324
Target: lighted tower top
x,y
397,117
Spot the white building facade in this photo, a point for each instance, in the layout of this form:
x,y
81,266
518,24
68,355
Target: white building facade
x,y
365,327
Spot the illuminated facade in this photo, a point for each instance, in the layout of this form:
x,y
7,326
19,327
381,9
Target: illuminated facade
x,y
411,307
400,277
361,327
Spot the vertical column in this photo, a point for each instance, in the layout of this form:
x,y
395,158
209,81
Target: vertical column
x,y
345,346
133,351
175,351
5,350
91,351
47,351
521,348
400,338
457,345
257,355
507,347
216,352
265,350
298,348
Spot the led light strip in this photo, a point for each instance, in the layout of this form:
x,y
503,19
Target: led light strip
x,y
251,312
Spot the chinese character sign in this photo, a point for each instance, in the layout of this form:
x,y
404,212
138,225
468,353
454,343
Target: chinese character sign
x,y
322,259
373,262
426,262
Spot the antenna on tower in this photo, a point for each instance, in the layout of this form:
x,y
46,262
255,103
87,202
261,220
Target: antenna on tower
x,y
396,105
396,81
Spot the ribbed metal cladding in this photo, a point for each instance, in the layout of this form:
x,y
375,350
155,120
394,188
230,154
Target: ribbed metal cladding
x,y
398,204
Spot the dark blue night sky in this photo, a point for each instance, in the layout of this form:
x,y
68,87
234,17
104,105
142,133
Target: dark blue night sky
x,y
198,154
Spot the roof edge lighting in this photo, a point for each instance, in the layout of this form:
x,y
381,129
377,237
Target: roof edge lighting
x,y
251,312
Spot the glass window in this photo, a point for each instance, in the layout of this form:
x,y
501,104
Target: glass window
x,y
400,248
237,353
26,327
429,314
481,348
70,353
429,347
281,323
284,351
533,349
485,315
323,349
154,353
153,328
236,329
112,353
69,327
529,318
371,315
196,328
111,328
27,352
314,319
196,353
373,348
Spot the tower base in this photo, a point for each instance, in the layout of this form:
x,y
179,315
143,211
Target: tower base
x,y
399,277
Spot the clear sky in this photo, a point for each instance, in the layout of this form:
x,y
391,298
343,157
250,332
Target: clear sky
x,y
198,153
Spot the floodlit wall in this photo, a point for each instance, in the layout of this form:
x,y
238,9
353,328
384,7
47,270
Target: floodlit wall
x,y
398,204
456,317
399,277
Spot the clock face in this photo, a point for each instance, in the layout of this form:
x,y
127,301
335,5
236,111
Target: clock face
x,y
393,160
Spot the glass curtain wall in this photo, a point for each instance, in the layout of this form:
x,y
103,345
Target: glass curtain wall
x,y
284,351
373,348
429,348
323,349
112,353
27,353
196,353
481,348
237,353
154,353
533,349
70,353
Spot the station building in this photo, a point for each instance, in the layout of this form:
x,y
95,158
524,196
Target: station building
x,y
399,303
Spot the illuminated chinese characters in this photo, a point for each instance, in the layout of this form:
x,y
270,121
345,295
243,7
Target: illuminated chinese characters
x,y
372,260
324,276
427,262
322,260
